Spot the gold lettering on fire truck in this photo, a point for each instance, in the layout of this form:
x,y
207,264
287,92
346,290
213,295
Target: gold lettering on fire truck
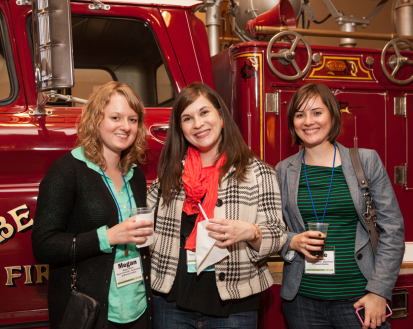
x,y
19,216
14,273
344,68
42,274
28,272
11,274
6,230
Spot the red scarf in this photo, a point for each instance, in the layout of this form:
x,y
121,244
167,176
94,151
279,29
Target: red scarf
x,y
199,182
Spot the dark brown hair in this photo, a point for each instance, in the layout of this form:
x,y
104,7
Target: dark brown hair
x,y
170,162
92,115
302,97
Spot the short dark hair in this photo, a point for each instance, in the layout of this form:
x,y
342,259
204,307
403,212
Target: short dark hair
x,y
301,98
170,162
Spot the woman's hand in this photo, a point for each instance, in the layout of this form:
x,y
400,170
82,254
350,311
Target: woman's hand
x,y
306,241
127,231
228,232
374,310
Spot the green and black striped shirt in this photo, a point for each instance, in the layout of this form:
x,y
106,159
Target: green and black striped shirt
x,y
341,216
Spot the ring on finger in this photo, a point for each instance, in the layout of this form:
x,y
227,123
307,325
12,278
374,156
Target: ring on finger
x,y
225,238
305,247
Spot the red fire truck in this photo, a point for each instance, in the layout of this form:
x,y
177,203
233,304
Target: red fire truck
x,y
158,49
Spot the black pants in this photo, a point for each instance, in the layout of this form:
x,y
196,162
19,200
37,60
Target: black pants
x,y
142,323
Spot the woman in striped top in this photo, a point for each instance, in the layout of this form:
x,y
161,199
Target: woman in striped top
x,y
319,184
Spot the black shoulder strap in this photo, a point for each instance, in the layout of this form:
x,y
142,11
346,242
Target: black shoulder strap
x,y
73,272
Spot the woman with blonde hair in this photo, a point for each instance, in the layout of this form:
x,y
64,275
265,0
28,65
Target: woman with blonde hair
x,y
206,161
86,195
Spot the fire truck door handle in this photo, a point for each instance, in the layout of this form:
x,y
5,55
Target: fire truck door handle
x,y
161,128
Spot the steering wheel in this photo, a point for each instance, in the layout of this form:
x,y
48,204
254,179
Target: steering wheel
x,y
287,56
396,61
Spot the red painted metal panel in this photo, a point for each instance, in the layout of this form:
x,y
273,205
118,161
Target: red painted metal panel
x,y
188,37
270,314
377,80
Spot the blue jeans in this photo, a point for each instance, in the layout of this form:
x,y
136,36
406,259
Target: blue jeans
x,y
307,313
168,316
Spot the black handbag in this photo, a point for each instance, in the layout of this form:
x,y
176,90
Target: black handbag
x,y
81,311
370,215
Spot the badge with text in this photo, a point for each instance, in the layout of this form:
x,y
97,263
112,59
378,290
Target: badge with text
x,y
128,271
325,266
191,263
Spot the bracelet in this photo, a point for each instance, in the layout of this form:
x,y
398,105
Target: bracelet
x,y
257,233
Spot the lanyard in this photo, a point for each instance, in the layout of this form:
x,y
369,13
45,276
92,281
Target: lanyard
x,y
130,202
329,190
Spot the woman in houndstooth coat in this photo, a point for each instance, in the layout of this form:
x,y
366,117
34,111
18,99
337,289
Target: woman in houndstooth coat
x,y
206,161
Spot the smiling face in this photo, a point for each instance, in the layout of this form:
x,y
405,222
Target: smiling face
x,y
312,123
201,125
119,126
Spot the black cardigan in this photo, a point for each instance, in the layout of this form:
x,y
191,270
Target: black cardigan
x,y
74,201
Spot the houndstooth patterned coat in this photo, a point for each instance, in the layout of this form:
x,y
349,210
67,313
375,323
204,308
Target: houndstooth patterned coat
x,y
245,271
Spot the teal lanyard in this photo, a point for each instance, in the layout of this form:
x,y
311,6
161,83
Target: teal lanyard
x,y
117,204
329,190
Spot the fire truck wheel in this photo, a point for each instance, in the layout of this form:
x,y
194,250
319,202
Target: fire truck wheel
x,y
396,61
287,56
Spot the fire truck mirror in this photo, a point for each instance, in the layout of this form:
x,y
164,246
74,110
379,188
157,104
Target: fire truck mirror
x,y
52,41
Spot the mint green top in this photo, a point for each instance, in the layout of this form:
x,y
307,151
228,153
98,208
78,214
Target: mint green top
x,y
127,303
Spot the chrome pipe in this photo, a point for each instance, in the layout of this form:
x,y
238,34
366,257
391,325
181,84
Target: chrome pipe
x,y
213,24
348,42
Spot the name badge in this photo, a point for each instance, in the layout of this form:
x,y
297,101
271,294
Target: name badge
x,y
191,263
128,271
325,266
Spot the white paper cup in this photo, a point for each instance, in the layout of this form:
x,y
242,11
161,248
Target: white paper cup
x,y
143,213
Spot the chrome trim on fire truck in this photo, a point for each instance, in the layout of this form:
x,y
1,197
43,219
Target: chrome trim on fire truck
x,y
400,175
161,128
23,3
272,103
400,107
97,5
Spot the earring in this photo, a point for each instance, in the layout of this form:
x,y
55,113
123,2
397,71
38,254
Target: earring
x,y
222,124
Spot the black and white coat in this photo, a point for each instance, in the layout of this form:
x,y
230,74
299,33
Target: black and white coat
x,y
245,272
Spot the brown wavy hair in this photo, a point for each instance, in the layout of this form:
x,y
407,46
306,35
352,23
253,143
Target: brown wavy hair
x,y
92,115
170,166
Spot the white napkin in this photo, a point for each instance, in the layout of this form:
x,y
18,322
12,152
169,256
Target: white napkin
x,y
150,217
206,253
